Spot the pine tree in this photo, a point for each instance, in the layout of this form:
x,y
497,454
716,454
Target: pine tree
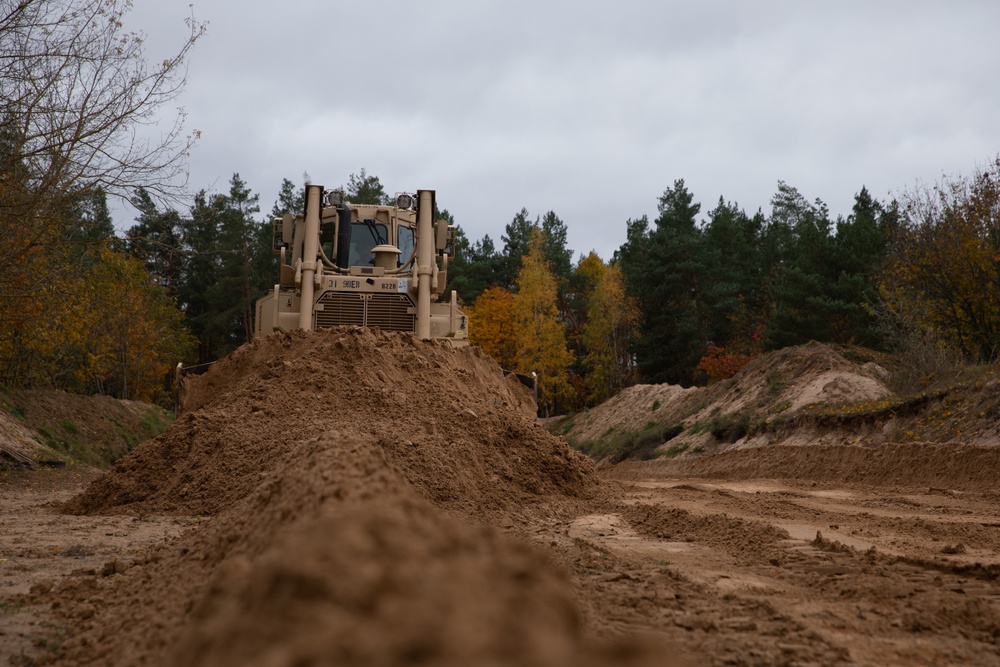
x,y
364,189
234,294
663,268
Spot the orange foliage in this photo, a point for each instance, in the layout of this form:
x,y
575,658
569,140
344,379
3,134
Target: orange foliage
x,y
491,325
718,364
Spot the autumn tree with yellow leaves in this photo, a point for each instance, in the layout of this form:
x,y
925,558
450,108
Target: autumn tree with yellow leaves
x,y
105,328
612,320
539,332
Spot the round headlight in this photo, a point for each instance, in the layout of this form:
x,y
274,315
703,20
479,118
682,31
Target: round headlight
x,y
404,201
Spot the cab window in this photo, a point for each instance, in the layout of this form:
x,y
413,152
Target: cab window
x,y
405,243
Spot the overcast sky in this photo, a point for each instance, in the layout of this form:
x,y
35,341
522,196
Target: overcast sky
x,y
591,109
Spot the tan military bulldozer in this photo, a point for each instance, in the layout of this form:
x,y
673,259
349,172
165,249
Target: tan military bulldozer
x,y
380,266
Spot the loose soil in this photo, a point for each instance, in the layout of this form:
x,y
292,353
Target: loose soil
x,y
363,498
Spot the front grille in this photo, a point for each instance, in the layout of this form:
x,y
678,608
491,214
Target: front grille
x,y
385,311
389,311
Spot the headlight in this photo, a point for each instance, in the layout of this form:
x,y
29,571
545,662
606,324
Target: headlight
x,y
334,198
404,201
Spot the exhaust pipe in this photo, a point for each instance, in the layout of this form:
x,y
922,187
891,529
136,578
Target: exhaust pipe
x,y
425,261
309,251
344,237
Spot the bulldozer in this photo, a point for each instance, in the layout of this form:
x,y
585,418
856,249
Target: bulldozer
x,y
383,266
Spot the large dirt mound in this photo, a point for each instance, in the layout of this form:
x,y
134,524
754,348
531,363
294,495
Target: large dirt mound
x,y
447,420
777,384
352,477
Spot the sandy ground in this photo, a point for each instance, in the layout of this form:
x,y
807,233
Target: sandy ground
x,y
42,548
728,571
361,498
770,572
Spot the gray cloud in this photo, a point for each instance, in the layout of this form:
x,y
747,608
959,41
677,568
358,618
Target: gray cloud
x,y
591,108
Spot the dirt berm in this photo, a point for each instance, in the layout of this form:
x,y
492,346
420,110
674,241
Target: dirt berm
x,y
350,486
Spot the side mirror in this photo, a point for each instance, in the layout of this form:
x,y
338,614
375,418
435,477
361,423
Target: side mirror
x,y
441,235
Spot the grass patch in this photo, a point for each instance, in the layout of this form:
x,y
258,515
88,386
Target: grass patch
x,y
640,445
153,423
672,432
846,413
70,443
69,427
655,406
676,450
730,428
15,410
775,382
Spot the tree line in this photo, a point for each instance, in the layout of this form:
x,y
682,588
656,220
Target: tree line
x,y
688,298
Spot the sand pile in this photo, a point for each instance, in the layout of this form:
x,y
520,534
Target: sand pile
x,y
352,476
778,383
447,420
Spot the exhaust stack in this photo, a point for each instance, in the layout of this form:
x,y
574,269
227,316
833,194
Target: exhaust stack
x,y
425,261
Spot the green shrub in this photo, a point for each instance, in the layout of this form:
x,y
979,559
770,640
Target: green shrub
x,y
671,432
730,428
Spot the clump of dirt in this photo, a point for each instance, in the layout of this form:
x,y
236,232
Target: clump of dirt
x,y
50,425
447,420
751,541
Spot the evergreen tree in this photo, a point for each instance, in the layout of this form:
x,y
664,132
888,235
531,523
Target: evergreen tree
x,y
823,284
91,220
516,241
662,267
156,239
234,294
290,199
734,304
201,238
559,256
861,245
364,189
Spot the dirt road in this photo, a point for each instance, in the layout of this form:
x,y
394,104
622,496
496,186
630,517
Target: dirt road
x,y
738,571
766,572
